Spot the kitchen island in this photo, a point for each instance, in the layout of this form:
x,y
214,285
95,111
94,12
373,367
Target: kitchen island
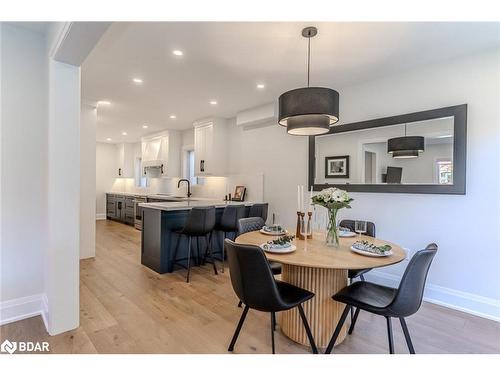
x,y
160,220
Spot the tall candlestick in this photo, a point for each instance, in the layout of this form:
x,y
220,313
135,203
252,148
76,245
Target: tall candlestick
x,y
301,198
298,198
310,200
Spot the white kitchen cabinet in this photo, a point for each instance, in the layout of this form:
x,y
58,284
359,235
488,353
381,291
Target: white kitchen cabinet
x,y
125,160
210,147
161,154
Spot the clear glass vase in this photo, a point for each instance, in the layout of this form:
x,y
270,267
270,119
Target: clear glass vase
x,y
332,232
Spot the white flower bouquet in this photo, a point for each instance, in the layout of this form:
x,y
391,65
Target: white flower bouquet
x,y
333,199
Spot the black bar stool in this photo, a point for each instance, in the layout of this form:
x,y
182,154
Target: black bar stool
x,y
200,223
229,223
259,210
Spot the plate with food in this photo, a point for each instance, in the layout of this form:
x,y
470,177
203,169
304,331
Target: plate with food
x,y
280,245
371,250
273,230
346,233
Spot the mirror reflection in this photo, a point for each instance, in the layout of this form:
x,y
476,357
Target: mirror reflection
x,y
412,153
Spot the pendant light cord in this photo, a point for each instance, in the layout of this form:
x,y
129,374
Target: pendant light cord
x,y
308,59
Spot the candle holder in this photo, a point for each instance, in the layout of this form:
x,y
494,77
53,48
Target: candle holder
x,y
309,224
300,216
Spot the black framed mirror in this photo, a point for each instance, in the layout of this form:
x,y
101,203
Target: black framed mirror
x,y
422,152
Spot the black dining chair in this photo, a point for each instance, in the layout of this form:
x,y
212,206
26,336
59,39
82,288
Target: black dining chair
x,y
200,224
370,231
254,283
251,224
388,302
229,224
259,210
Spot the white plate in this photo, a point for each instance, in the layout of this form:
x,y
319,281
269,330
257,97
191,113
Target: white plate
x,y
368,254
285,250
346,234
273,233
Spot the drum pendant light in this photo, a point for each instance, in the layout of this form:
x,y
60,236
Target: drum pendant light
x,y
308,110
405,147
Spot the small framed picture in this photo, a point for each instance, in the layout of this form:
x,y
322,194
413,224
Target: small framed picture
x,y
337,166
239,193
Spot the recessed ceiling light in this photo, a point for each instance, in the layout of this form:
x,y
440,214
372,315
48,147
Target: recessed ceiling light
x,y
108,139
177,52
260,85
144,126
137,80
103,102
173,117
124,133
213,102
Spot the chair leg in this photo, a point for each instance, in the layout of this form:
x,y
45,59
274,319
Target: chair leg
x,y
223,238
337,330
273,317
353,321
174,257
308,329
389,334
208,251
274,321
189,260
407,335
240,303
238,328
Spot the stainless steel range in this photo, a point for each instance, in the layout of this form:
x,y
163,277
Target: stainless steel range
x,y
138,212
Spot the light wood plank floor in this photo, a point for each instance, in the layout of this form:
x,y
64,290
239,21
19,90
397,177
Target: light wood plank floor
x,y
127,308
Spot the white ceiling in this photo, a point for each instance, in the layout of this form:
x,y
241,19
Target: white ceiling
x,y
225,61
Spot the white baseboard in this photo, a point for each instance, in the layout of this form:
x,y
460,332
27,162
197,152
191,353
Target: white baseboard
x,y
100,216
23,308
474,304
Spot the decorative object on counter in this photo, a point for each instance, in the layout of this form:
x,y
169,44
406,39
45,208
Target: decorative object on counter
x,y
333,200
225,198
229,197
337,166
239,193
308,110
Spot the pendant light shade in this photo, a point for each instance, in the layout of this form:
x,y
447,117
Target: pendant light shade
x,y
405,147
308,110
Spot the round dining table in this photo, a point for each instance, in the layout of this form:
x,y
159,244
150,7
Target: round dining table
x,y
322,270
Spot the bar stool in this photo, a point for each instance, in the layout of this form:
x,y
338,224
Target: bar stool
x,y
229,223
200,223
259,210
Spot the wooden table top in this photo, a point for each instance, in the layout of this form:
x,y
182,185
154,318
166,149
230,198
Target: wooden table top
x,y
315,254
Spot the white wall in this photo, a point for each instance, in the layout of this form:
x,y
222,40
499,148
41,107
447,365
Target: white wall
x,y
465,272
23,169
105,175
87,180
62,273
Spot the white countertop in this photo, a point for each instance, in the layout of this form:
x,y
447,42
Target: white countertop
x,y
157,196
188,204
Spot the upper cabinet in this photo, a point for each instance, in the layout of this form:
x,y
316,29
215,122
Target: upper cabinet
x,y
210,147
125,160
161,154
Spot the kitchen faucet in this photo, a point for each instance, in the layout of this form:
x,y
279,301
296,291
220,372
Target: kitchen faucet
x,y
189,186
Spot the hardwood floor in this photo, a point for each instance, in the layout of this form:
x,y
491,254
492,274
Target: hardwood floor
x,y
127,308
